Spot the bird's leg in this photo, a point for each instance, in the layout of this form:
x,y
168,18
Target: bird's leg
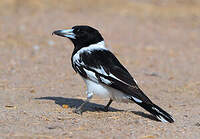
x,y
107,106
79,110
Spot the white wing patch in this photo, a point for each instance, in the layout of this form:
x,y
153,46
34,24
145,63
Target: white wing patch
x,y
136,99
101,71
106,81
111,75
91,75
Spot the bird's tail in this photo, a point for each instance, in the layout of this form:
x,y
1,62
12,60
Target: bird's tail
x,y
158,112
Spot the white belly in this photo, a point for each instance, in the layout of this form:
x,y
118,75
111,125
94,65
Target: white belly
x,y
105,91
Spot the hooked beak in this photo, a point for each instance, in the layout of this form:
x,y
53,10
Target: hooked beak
x,y
65,33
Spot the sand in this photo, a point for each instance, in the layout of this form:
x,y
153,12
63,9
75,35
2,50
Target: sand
x,y
158,42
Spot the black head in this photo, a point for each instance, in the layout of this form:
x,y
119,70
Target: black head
x,y
81,36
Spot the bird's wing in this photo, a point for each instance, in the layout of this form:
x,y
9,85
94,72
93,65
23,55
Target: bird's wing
x,y
103,67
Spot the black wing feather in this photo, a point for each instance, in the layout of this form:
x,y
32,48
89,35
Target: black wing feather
x,y
110,64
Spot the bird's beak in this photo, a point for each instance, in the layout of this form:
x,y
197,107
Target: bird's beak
x,y
65,33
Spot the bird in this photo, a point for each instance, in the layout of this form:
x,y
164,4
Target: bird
x,y
103,73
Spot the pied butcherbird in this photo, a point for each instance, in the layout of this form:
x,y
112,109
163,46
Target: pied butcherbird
x,y
103,74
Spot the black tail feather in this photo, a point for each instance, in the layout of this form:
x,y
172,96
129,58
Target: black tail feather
x,y
158,112
161,114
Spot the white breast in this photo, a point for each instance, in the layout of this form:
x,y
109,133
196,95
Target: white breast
x,y
105,91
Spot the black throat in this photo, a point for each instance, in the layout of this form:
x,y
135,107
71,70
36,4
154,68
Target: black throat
x,y
80,44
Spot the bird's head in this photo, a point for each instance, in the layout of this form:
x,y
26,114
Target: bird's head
x,y
81,36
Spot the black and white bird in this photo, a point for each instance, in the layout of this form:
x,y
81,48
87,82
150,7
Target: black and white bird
x,y
103,74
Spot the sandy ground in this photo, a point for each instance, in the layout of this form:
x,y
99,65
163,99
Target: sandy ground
x,y
158,43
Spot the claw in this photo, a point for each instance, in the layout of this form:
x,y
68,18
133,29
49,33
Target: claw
x,y
77,111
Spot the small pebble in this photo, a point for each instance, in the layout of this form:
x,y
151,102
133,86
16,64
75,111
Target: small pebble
x,y
32,90
36,47
51,43
10,106
22,27
65,106
197,124
152,74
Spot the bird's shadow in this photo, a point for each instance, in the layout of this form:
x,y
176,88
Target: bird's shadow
x,y
149,116
93,107
75,103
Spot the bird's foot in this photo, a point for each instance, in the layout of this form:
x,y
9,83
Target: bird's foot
x,y
78,111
